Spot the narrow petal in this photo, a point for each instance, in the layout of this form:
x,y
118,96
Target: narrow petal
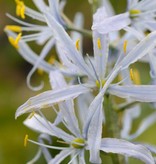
x,y
30,56
101,43
66,107
50,97
112,145
41,57
141,49
45,151
109,24
128,118
61,156
145,124
40,4
96,103
143,93
67,45
55,11
94,135
39,124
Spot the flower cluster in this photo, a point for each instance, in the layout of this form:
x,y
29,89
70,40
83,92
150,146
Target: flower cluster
x,y
85,87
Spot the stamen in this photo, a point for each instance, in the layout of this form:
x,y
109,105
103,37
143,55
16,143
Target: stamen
x,y
40,71
20,9
78,143
13,28
136,76
131,74
99,43
63,142
51,60
134,11
25,140
125,46
14,42
100,83
77,44
31,115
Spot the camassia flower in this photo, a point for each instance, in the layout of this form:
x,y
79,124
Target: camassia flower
x,y
78,141
40,33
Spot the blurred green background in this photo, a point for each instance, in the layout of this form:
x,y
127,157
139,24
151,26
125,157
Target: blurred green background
x,y
14,92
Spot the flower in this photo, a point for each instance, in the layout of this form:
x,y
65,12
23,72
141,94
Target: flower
x,y
80,141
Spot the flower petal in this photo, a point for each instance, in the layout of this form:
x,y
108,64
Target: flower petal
x,y
145,124
112,145
67,45
48,98
66,107
101,43
143,93
141,49
94,135
39,124
109,24
61,156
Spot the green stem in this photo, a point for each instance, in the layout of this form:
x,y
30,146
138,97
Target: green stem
x,y
112,124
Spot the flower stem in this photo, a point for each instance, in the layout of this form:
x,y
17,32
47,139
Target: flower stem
x,y
112,125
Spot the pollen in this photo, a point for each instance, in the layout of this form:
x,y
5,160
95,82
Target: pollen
x,y
25,140
78,143
136,77
125,46
40,71
131,74
20,9
13,28
99,84
134,12
77,44
51,60
99,43
14,42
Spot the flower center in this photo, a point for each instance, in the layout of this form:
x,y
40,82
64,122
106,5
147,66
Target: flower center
x,y
78,143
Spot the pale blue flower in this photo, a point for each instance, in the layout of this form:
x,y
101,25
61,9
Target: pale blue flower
x,y
79,141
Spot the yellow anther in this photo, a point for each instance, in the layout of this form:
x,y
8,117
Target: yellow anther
x,y
134,11
40,71
131,74
14,42
99,43
136,76
20,9
13,28
98,83
51,60
78,143
31,115
125,46
25,140
77,44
